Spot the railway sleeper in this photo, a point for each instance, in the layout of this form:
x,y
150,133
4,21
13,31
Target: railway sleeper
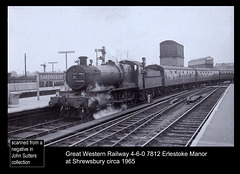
x,y
178,142
192,119
43,129
182,135
153,124
192,122
201,112
188,124
170,135
184,127
180,129
169,143
141,137
105,143
144,132
182,132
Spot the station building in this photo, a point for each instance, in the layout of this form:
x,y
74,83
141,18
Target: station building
x,y
224,66
204,62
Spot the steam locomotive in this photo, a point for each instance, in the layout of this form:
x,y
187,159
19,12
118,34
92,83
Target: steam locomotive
x,y
126,83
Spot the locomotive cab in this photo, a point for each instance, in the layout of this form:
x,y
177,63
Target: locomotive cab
x,y
133,73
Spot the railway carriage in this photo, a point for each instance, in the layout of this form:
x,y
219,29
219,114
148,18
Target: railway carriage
x,y
163,79
226,75
207,76
179,76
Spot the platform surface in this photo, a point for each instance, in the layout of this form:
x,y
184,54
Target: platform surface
x,y
30,103
219,128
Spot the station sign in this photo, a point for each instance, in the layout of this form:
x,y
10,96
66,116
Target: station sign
x,y
51,76
48,77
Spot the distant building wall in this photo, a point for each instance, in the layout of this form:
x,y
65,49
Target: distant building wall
x,y
224,65
172,61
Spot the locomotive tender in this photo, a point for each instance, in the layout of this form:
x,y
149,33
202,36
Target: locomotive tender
x,y
126,82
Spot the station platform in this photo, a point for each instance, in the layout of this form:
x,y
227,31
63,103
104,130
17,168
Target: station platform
x,y
30,103
219,128
42,90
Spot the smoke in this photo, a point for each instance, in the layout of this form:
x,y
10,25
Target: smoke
x,y
108,111
101,96
98,87
101,99
103,113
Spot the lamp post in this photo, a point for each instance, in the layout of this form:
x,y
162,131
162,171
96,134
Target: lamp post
x,y
66,52
52,65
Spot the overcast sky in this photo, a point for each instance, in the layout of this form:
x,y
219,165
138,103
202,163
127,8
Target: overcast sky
x,y
41,32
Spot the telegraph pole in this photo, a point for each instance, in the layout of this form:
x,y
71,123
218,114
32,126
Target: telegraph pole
x,y
66,52
25,64
52,65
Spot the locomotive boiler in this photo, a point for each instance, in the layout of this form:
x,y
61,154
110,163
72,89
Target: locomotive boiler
x,y
79,77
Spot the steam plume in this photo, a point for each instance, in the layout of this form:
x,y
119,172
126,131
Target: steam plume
x,y
108,111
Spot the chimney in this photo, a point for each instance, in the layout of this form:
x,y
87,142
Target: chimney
x,y
83,60
143,62
110,62
91,62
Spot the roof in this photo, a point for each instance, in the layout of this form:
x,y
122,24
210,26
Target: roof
x,y
176,68
206,69
203,58
169,42
131,62
160,67
154,67
224,64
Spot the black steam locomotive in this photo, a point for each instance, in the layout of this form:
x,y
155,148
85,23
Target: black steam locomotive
x,y
126,83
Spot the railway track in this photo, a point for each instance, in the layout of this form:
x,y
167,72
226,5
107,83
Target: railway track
x,y
29,118
183,130
41,129
115,132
